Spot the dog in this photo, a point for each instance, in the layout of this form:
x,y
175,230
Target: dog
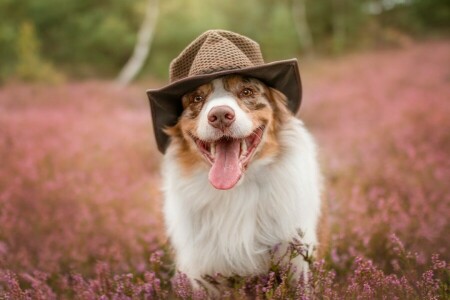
x,y
240,176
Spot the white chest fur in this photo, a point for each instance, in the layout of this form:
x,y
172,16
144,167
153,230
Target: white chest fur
x,y
230,232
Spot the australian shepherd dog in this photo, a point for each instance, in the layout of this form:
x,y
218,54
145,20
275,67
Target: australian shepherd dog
x,y
240,177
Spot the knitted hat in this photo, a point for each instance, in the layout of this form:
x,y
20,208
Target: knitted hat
x,y
213,54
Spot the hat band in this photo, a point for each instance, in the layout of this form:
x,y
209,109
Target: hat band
x,y
217,69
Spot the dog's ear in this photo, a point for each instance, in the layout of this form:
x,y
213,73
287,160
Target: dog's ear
x,y
279,102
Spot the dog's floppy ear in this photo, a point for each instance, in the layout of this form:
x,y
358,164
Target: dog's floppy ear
x,y
279,102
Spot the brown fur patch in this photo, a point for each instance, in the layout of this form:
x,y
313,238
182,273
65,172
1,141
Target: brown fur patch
x,y
236,84
279,103
280,114
191,107
187,154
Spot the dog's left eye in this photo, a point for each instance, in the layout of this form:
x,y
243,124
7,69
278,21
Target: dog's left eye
x,y
246,92
197,99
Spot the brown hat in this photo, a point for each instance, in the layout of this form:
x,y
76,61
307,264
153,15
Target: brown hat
x,y
213,54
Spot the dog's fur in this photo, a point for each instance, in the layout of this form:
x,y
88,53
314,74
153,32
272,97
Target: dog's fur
x,y
231,231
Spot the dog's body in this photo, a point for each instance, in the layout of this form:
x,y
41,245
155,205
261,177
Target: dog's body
x,y
218,220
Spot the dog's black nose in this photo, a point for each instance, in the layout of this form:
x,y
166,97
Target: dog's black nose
x,y
221,116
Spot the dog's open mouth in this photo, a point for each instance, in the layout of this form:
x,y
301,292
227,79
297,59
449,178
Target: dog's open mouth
x,y
229,157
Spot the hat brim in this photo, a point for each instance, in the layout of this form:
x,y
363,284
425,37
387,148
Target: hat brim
x,y
166,106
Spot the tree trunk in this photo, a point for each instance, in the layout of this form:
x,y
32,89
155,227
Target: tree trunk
x,y
142,47
301,26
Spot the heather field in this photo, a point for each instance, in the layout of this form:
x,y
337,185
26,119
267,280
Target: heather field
x,y
80,201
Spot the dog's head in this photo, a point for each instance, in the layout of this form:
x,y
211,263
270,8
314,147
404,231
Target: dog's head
x,y
226,125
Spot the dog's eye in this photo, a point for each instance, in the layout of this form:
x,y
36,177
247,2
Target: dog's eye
x,y
197,99
246,92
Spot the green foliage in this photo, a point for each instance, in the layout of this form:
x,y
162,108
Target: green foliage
x,y
432,13
96,38
29,64
82,37
421,17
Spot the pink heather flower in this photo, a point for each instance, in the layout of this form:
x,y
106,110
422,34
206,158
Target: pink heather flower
x,y
182,286
80,184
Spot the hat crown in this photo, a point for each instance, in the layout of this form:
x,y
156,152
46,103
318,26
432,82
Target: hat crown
x,y
213,51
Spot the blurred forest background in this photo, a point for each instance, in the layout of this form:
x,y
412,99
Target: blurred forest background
x,y
48,40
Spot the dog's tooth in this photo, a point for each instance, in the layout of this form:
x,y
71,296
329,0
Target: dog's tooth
x,y
213,149
243,147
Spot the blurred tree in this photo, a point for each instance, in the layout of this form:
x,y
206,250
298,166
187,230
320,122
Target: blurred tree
x,y
301,25
432,13
142,47
30,66
338,21
94,38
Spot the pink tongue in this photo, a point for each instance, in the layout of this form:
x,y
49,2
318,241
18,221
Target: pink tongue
x,y
225,172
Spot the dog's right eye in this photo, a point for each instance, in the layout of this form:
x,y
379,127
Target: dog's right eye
x,y
197,99
246,92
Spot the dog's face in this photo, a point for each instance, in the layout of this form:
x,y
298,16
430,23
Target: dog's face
x,y
226,125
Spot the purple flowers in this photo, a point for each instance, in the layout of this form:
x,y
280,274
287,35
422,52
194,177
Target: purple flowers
x,y
80,200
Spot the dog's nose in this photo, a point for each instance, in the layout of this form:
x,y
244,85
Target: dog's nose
x,y
221,116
